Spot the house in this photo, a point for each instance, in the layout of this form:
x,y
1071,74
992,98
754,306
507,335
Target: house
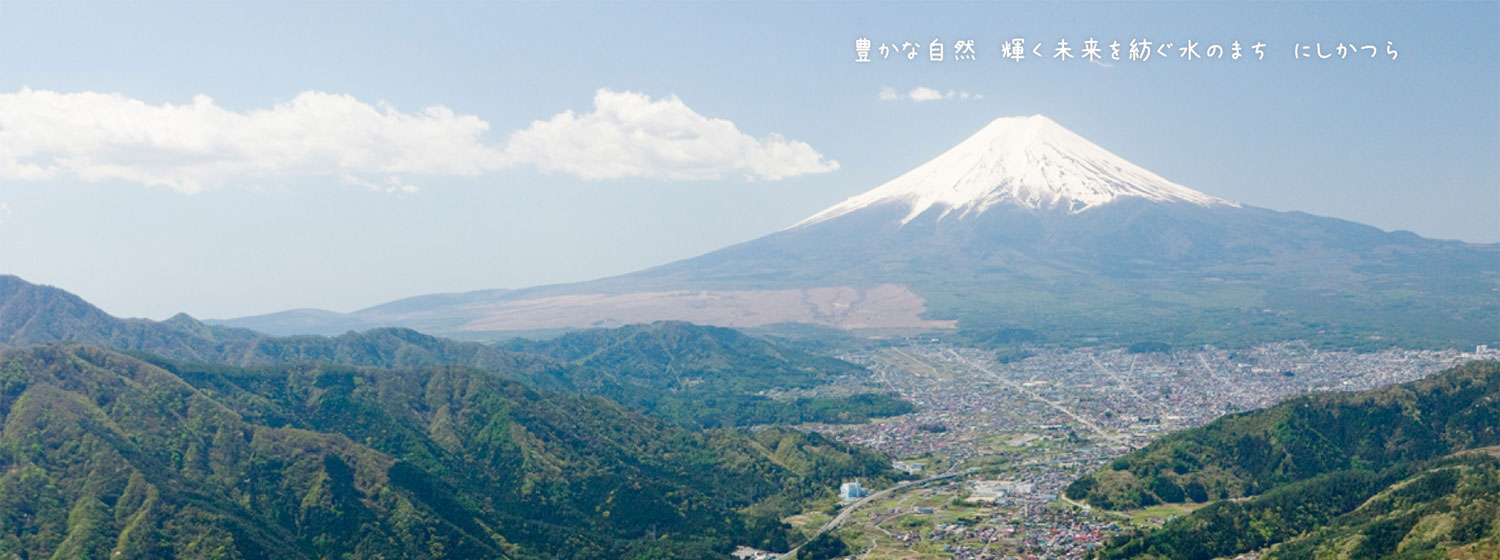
x,y
908,468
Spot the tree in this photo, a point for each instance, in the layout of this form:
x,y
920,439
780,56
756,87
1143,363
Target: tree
x,y
824,547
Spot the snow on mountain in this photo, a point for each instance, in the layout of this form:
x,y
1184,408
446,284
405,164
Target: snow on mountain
x,y
1026,161
1075,244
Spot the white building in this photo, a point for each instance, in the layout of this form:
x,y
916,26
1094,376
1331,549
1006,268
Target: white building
x,y
747,553
852,490
909,468
991,490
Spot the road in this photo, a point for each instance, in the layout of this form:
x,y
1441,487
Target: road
x,y
1089,508
1126,386
1034,396
917,361
1213,372
849,509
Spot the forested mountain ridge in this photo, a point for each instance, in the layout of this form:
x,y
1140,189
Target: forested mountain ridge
x,y
1308,466
39,314
699,376
104,453
1451,509
691,352
704,376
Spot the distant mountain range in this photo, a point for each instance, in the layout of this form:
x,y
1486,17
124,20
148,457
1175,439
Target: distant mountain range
x,y
696,375
1028,226
33,314
1405,471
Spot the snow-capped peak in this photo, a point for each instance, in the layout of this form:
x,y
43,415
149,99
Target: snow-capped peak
x,y
1026,161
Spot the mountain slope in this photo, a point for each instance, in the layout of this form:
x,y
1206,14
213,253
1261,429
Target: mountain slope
x,y
32,314
701,377
37,314
705,377
674,355
1450,510
1248,453
1446,508
1029,162
102,454
1308,465
1028,225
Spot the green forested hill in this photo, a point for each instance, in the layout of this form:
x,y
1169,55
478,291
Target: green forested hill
x,y
704,376
103,453
1304,469
37,314
701,377
1449,510
688,353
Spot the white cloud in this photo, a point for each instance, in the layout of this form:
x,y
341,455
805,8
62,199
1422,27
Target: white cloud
x,y
46,135
923,93
189,148
393,184
926,94
629,135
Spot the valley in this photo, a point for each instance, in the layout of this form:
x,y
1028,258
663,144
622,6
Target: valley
x,y
970,449
1013,436
736,280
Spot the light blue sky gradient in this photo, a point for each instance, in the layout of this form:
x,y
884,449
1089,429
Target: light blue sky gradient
x,y
1407,144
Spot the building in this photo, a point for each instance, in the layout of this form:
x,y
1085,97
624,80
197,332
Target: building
x,y
747,553
908,468
992,490
852,490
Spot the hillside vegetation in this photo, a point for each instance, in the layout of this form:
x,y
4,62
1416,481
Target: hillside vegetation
x,y
706,376
105,454
701,377
1304,473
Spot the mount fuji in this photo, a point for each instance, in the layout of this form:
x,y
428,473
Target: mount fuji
x,y
1029,162
1027,230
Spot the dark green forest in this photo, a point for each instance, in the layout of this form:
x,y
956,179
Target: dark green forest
x,y
104,453
1323,474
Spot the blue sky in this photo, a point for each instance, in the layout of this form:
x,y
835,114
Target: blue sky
x,y
124,210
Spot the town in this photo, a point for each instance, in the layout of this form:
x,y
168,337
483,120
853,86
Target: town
x,y
994,442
